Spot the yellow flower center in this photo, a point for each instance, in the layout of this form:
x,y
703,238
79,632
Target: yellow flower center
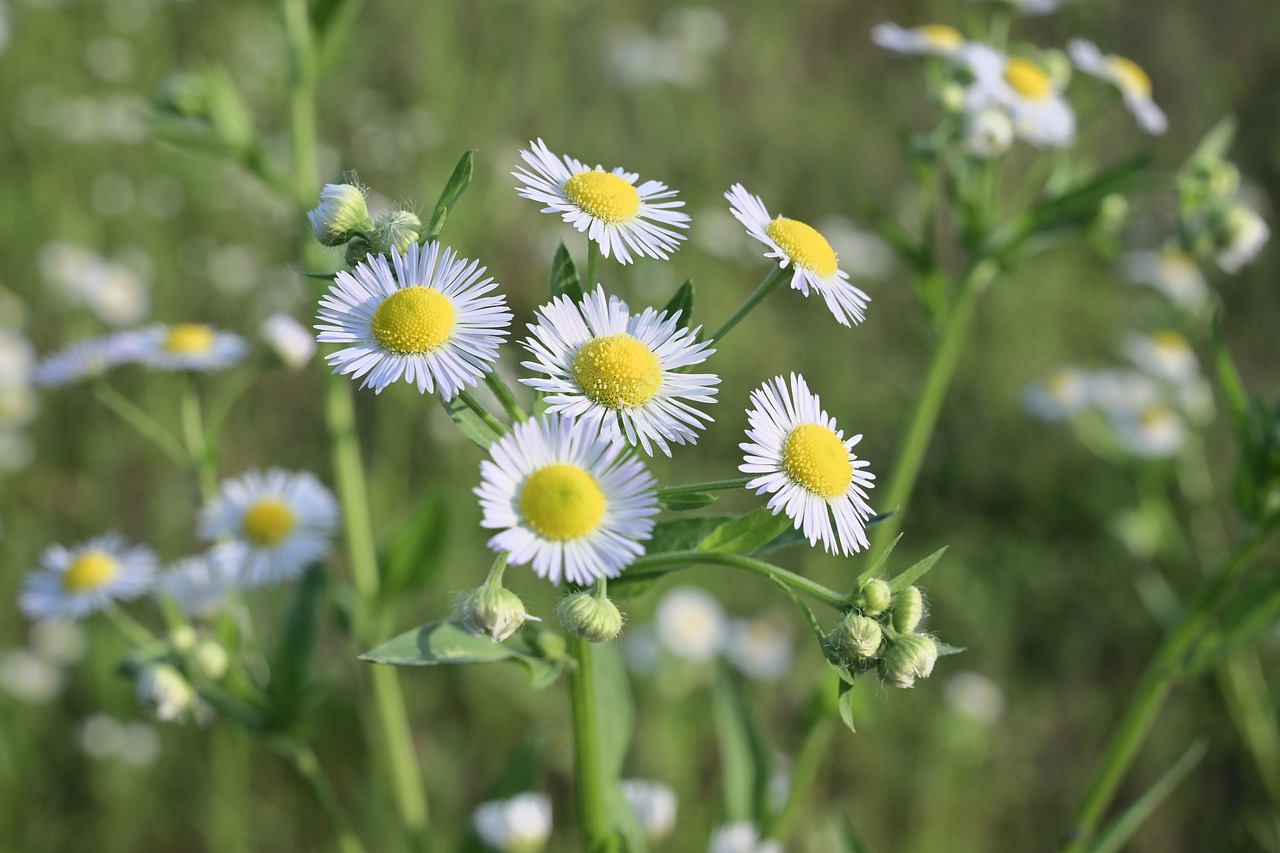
x,y
1170,341
815,459
1154,417
414,320
803,245
1028,79
1176,261
91,570
942,37
562,502
617,371
189,338
268,522
1129,76
604,195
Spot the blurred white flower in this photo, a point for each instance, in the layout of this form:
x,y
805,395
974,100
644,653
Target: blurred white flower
x,y
741,837
1164,355
1040,114
30,677
186,346
654,805
17,359
1127,76
101,736
521,824
87,359
1064,394
200,584
117,294
1247,233
1171,271
1121,391
988,132
293,343
680,54
974,695
760,648
690,623
1156,432
164,692
1030,7
931,39
58,640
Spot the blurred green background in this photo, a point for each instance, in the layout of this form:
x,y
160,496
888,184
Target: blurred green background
x,y
797,104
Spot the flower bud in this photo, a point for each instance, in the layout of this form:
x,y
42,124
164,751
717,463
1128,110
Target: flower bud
x,y
952,98
874,597
908,608
164,692
398,230
588,617
492,611
908,657
183,639
988,133
1058,64
1113,212
1241,238
208,660
858,637
342,214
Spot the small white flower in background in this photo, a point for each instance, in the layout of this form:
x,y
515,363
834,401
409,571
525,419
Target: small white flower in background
x,y
117,294
17,359
66,266
434,321
58,640
185,346
760,648
1156,432
1127,76
607,206
74,582
814,263
988,132
1164,355
281,521
690,623
974,695
654,805
200,584
521,824
1122,391
807,465
164,692
1040,114
101,736
139,745
30,677
1171,271
680,54
1030,7
1065,393
292,342
620,374
741,837
862,253
567,500
1246,233
931,39
87,359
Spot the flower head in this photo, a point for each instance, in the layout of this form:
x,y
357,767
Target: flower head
x,y
932,39
621,217
741,837
1127,76
184,346
1164,355
654,805
200,584
424,317
1171,271
291,341
521,824
1039,113
760,648
1244,233
690,623
73,582
85,359
807,465
621,373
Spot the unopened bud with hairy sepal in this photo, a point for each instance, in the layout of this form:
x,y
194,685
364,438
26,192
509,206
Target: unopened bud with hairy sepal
x,y
492,611
398,230
908,609
907,657
589,616
341,215
164,692
208,660
857,637
874,597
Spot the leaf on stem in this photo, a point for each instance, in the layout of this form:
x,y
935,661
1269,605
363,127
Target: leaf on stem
x,y
291,663
564,276
682,301
687,501
746,533
913,574
471,424
453,190
1113,838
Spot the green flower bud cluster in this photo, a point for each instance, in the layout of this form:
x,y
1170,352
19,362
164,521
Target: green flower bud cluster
x,y
1216,224
167,677
342,219
879,632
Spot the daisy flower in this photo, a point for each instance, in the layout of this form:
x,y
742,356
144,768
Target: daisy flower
x,y
621,373
86,359
1063,395
1040,114
1246,233
621,217
521,824
566,499
1155,432
814,262
654,805
200,584
690,623
741,837
424,317
807,465
185,346
759,648
1127,76
1171,271
1164,355
74,582
932,39
280,521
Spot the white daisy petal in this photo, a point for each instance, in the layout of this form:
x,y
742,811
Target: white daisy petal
x,y
1127,76
932,39
201,584
74,582
86,359
182,346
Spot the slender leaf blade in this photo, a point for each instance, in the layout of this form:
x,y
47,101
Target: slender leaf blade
x,y
682,302
913,574
564,276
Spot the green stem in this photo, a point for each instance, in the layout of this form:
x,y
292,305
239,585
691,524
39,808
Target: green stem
x,y
665,492
775,277
803,774
193,433
130,627
474,405
593,261
593,820
657,565
142,423
505,396
1154,688
304,760
302,103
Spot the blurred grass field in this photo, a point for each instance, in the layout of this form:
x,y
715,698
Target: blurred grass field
x,y
801,107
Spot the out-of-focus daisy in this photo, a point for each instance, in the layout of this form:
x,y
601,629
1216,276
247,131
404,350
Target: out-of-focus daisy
x,y
1245,234
30,677
932,39
292,343
807,465
1122,392
116,293
1040,114
1127,76
58,640
760,648
1031,7
1171,271
621,217
521,824
200,584
74,582
988,132
690,623
974,695
654,805
1164,355
164,692
1155,432
1064,394
282,522
741,837
620,373
428,320
87,359
185,346
574,504
16,358
813,261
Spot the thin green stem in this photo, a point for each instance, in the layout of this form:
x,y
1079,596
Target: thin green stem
x,y
302,103
593,819
593,261
142,423
505,396
771,281
475,405
193,433
657,565
304,760
665,492
133,630
803,774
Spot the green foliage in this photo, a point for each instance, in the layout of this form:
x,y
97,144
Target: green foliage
x,y
564,276
457,184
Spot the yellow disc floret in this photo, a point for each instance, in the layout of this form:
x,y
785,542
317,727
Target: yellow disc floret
x,y
942,37
617,371
1028,79
606,196
1129,76
189,338
268,522
91,570
816,460
804,246
414,320
1168,340
562,502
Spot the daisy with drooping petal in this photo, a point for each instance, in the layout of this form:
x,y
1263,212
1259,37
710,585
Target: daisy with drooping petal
x,y
86,359
424,317
1040,114
807,465
813,261
185,346
932,39
572,503
74,582
280,521
1127,76
618,215
1171,271
621,373
1164,355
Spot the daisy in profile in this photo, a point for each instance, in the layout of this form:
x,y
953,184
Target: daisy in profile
x,y
74,582
931,39
608,206
1063,395
185,346
1171,271
425,317
1155,432
200,584
1039,112
1164,355
572,503
1127,76
621,373
280,521
87,359
807,465
814,263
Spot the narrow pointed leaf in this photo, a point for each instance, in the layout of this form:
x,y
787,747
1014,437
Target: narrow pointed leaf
x,y
745,754
682,301
874,569
913,574
469,423
453,190
1113,838
564,276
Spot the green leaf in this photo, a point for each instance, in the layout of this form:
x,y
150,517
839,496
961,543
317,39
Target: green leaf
x,y
745,753
913,574
1233,392
415,556
846,703
746,533
874,569
436,643
291,663
564,276
622,589
688,501
1253,610
945,649
847,836
682,534
1216,142
323,276
614,706
1113,838
453,190
471,424
682,301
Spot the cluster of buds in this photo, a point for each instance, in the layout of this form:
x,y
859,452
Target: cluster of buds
x,y
879,631
342,219
1216,223
167,683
